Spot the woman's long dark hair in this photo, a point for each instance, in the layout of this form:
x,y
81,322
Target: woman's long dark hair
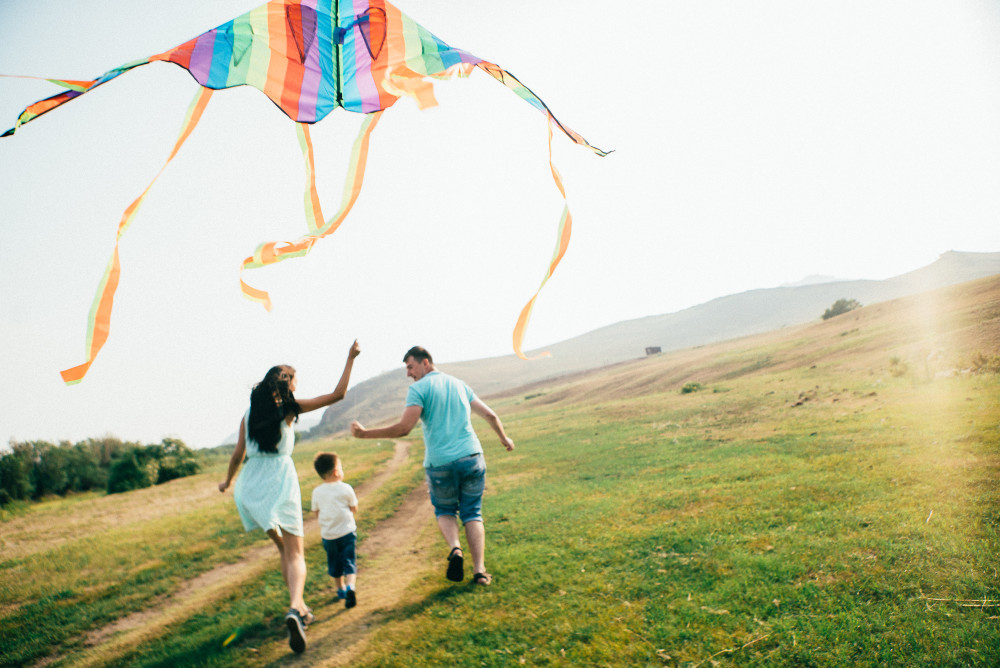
x,y
271,403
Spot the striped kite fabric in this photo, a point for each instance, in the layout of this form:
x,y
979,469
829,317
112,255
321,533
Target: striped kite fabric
x,y
308,57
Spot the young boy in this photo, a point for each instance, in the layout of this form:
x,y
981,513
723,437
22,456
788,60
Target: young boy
x,y
336,504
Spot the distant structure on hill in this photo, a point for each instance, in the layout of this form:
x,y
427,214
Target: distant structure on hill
x,y
653,350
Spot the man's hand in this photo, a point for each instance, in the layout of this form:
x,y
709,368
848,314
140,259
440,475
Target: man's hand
x,y
507,443
223,486
357,430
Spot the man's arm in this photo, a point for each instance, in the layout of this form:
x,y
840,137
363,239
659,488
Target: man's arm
x,y
405,425
485,412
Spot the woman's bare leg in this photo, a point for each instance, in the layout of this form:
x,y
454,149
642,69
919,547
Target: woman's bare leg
x,y
294,567
276,537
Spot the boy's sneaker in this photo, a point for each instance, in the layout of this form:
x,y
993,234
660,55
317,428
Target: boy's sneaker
x,y
296,631
351,599
341,594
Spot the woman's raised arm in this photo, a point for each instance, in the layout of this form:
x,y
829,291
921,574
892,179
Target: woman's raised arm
x,y
306,405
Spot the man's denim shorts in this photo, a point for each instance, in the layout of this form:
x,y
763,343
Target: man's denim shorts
x,y
457,488
340,555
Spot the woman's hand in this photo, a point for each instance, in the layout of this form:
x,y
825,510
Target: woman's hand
x,y
354,351
224,485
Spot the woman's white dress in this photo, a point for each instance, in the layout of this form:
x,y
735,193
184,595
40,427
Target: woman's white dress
x,y
267,490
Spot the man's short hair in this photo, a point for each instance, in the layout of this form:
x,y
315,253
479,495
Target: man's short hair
x,y
325,463
418,353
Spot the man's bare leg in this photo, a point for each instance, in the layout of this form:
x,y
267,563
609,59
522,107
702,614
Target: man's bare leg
x,y
475,535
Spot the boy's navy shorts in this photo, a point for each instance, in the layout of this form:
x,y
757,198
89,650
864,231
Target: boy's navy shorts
x,y
340,555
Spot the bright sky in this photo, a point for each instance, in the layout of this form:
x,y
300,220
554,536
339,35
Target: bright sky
x,y
755,143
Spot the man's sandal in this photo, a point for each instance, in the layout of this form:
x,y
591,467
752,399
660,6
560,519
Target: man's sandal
x,y
296,631
484,579
456,566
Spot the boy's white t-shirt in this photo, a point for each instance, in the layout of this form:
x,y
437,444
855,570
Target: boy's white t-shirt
x,y
334,501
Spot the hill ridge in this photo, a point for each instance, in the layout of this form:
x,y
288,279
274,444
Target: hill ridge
x,y
747,313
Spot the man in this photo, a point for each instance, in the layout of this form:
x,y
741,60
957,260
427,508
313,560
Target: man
x,y
453,460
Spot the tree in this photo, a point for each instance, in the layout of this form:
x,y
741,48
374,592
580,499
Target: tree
x,y
48,475
15,473
107,448
841,306
176,460
34,469
133,470
85,471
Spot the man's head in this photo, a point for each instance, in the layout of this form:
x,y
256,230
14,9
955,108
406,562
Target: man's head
x,y
418,362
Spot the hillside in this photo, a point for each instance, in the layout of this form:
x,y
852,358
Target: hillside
x,y
820,495
722,319
941,333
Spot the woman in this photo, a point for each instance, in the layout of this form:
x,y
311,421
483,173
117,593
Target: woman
x,y
267,492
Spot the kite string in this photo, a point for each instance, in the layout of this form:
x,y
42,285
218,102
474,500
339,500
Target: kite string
x,y
99,322
562,243
526,94
72,84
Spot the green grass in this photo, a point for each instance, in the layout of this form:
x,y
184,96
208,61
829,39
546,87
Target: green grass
x,y
255,613
805,507
53,597
693,526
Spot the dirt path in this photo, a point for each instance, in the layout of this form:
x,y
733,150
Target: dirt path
x,y
395,554
390,537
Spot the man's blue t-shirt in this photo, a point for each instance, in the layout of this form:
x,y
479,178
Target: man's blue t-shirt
x,y
446,417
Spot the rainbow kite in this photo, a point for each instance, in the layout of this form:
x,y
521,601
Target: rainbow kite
x,y
309,58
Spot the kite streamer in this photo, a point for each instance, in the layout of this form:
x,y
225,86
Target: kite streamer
x,y
309,57
99,323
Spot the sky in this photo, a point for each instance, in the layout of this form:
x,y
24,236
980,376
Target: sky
x,y
755,143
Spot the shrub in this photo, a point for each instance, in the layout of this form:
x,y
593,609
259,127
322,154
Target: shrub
x,y
690,387
898,367
134,470
841,306
176,460
985,364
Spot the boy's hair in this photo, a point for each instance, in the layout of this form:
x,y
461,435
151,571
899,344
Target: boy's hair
x,y
325,463
419,353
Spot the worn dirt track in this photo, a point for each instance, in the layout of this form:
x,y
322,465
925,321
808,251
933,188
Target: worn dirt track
x,y
390,557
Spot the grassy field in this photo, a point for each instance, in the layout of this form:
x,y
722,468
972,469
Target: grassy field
x,y
821,496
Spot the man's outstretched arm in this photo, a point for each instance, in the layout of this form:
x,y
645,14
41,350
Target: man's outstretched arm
x,y
405,425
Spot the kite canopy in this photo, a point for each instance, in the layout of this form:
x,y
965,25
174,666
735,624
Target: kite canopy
x,y
309,58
